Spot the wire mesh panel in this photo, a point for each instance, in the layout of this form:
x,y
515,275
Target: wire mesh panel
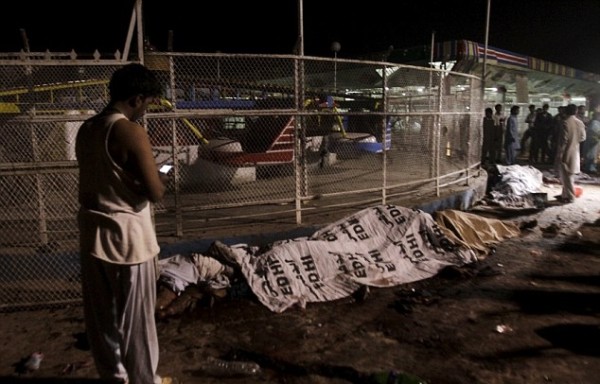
x,y
43,105
414,107
253,139
344,137
229,128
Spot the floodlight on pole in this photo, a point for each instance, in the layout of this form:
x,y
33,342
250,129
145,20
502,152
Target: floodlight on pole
x,y
335,47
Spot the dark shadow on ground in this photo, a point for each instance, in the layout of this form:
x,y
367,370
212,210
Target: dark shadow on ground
x,y
540,301
581,339
53,380
591,280
543,302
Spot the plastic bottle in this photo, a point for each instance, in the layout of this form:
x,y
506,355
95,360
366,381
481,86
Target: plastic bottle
x,y
219,367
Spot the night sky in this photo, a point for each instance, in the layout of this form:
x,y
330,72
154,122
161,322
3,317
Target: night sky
x,y
561,31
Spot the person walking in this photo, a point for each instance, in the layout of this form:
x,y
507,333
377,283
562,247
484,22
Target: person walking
x,y
118,181
511,136
568,156
590,145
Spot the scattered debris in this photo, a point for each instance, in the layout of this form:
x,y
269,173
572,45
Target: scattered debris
x,y
72,367
30,363
488,271
551,230
361,294
503,328
408,298
528,225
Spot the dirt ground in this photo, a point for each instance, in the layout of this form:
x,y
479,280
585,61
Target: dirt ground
x,y
527,313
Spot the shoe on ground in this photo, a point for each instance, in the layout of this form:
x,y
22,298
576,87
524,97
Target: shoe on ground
x,y
564,200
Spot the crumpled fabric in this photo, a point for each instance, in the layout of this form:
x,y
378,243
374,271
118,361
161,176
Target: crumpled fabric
x,y
518,180
516,185
379,246
179,271
476,232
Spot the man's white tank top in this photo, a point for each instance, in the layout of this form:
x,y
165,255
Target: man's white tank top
x,y
115,221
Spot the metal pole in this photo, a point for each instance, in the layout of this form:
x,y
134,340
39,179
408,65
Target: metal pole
x,y
334,71
132,21
140,30
385,137
432,51
300,28
175,154
39,182
170,41
485,50
431,66
335,47
301,172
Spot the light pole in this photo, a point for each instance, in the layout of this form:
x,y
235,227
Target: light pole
x,y
335,47
485,49
300,42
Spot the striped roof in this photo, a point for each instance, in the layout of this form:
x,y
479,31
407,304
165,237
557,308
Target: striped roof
x,y
465,49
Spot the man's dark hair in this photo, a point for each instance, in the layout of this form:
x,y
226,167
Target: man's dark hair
x,y
571,110
132,80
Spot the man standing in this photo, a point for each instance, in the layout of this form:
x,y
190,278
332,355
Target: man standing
x,y
499,120
557,124
590,145
488,148
568,156
528,134
586,121
540,144
511,137
581,115
118,180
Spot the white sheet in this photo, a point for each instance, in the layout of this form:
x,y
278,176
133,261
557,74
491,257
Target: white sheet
x,y
381,246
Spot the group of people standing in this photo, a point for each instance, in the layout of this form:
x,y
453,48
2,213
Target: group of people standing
x,y
500,134
568,140
543,134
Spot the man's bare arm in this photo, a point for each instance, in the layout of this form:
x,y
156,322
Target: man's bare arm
x,y
138,157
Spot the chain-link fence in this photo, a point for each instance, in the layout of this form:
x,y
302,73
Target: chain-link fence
x,y
252,138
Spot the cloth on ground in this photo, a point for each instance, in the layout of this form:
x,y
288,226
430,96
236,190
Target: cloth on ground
x,y
381,246
179,271
476,232
515,187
